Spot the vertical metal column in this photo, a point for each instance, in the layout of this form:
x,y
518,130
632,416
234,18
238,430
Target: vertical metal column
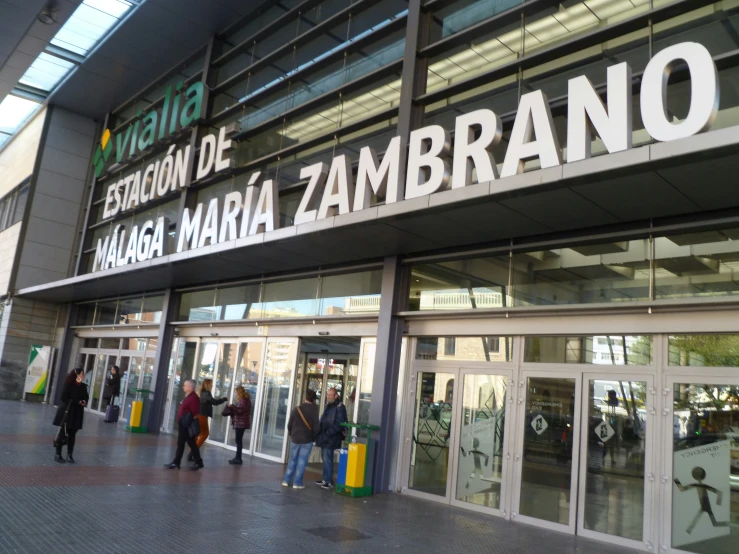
x,y
387,365
64,359
161,360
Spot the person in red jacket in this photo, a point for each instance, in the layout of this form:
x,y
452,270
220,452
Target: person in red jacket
x,y
189,405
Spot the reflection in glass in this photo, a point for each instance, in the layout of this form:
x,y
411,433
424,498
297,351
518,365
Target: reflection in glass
x,y
702,264
238,303
602,349
106,313
614,486
247,375
198,306
291,298
96,393
365,386
473,349
278,370
134,375
183,371
354,293
704,350
470,284
608,272
431,433
480,462
705,468
548,437
227,358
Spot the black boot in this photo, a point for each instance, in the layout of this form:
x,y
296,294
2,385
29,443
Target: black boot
x,y
172,466
69,458
58,458
197,466
235,462
190,457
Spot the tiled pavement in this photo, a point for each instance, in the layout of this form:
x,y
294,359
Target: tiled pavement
x,y
119,499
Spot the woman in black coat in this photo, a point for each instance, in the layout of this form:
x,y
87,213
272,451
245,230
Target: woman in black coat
x,y
74,399
112,385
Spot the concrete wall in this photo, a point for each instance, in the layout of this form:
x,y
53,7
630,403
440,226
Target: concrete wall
x,y
23,324
49,241
19,155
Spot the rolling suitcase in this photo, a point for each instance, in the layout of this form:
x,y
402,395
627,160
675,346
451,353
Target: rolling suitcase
x,y
111,413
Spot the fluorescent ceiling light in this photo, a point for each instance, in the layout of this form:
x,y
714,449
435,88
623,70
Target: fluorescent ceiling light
x,y
90,22
46,72
14,111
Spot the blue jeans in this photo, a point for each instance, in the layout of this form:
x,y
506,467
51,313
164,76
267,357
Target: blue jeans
x,y
327,455
299,454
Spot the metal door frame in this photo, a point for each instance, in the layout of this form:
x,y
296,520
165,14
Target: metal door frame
x,y
672,375
650,466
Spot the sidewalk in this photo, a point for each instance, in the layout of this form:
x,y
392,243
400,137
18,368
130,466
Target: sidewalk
x,y
117,498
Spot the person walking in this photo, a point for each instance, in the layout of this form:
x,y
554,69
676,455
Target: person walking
x,y
240,420
206,408
302,426
112,385
188,410
330,435
71,411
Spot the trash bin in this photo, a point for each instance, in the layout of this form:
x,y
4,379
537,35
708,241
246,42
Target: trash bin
x,y
137,417
355,469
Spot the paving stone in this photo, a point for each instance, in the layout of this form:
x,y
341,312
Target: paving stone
x,y
118,499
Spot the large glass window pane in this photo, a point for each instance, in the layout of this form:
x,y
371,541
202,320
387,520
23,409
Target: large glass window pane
x,y
291,298
460,285
473,349
548,436
135,369
207,362
705,468
604,350
129,310
239,303
704,350
614,486
278,370
354,293
701,264
107,313
480,465
85,313
198,306
248,368
609,272
464,13
152,310
20,206
365,385
432,425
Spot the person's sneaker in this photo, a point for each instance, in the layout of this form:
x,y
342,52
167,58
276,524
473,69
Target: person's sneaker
x,y
299,487
327,486
285,484
320,483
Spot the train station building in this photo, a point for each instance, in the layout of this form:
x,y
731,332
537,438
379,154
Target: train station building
x,y
503,231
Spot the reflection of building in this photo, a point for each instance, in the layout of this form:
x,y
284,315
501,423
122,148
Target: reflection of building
x,y
460,300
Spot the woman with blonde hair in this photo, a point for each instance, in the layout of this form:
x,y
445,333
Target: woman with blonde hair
x,y
206,409
240,420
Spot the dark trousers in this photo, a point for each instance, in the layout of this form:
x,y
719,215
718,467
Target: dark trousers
x,y
239,438
183,438
70,443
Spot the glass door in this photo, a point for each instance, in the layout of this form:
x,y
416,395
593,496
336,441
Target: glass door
x,y
222,386
702,463
482,450
275,398
248,370
102,372
616,469
430,469
547,437
187,353
133,377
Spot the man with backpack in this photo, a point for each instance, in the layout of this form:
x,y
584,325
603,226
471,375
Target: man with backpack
x,y
331,435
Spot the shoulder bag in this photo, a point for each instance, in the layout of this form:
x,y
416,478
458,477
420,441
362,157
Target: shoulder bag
x,y
306,423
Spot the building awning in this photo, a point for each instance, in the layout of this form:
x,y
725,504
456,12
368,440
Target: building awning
x,y
662,180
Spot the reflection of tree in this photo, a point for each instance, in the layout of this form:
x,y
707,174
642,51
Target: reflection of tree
x,y
705,350
691,397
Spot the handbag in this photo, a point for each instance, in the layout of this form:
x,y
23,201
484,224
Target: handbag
x,y
191,424
227,411
62,437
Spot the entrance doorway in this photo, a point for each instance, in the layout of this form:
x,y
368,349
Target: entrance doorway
x,y
564,448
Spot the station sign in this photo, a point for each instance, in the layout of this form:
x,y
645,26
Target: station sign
x,y
433,163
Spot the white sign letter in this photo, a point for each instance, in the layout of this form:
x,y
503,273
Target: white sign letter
x,y
316,175
266,214
467,150
339,190
384,180
426,148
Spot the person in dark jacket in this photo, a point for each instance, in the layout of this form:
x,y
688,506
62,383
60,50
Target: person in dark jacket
x,y
330,436
206,408
240,420
74,400
302,426
112,385
189,405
